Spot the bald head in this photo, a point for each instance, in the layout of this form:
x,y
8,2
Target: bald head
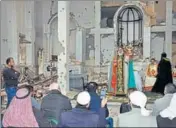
x,y
170,89
54,86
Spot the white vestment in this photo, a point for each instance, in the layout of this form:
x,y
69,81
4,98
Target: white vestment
x,y
138,81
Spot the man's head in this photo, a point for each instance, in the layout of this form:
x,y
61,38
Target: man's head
x,y
10,62
170,89
54,86
29,87
153,60
92,86
139,99
130,90
163,55
83,99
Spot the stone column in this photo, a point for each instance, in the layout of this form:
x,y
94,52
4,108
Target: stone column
x,y
0,38
9,42
63,37
168,33
147,42
80,45
29,31
97,41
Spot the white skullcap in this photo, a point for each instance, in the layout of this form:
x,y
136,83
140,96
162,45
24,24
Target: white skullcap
x,y
54,86
139,99
170,112
83,98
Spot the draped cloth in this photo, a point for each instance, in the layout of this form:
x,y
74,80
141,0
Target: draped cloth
x,y
131,77
20,112
114,75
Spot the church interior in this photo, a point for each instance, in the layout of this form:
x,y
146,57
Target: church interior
x,y
75,42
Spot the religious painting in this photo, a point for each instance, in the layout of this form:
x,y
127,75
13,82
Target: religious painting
x,y
151,73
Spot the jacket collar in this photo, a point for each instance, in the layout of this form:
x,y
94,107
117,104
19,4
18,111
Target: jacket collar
x,y
80,110
55,91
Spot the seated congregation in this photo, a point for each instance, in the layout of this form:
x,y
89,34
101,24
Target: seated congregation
x,y
91,110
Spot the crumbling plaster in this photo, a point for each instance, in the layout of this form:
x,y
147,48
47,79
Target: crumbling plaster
x,y
17,18
82,15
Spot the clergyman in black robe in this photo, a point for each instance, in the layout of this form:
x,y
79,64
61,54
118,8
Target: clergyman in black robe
x,y
164,74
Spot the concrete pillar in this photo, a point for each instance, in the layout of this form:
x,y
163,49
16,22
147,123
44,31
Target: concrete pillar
x,y
9,36
80,45
0,40
147,42
168,33
29,31
63,37
97,34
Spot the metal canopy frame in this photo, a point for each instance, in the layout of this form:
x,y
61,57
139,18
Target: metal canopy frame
x,y
135,18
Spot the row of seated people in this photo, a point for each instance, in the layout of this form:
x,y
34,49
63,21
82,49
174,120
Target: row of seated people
x,y
56,110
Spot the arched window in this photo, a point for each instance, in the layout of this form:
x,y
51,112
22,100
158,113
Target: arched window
x,y
129,26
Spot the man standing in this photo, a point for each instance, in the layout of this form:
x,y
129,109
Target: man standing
x,y
164,75
10,79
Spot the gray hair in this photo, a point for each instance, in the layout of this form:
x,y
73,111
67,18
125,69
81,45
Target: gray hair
x,y
170,89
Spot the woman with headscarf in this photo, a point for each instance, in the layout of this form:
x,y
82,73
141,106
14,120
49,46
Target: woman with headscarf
x,y
139,116
167,117
20,113
164,74
95,102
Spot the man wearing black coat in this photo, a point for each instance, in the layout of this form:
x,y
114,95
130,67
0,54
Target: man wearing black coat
x,y
54,104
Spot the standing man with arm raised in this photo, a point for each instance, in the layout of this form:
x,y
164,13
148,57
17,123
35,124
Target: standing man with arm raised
x,y
10,76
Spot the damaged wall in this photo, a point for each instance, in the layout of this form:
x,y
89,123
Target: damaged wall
x,y
157,44
17,18
9,38
80,16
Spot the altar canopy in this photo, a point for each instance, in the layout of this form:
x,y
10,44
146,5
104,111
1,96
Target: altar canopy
x,y
128,25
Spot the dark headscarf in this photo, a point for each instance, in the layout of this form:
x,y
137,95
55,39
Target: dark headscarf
x,y
163,55
91,86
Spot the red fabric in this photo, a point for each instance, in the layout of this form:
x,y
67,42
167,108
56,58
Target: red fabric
x,y
20,114
149,88
114,75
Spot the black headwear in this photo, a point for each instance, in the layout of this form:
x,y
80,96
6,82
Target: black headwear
x,y
29,90
26,93
163,55
91,86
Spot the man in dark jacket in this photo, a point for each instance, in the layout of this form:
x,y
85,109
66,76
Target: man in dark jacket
x,y
54,104
10,76
81,116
